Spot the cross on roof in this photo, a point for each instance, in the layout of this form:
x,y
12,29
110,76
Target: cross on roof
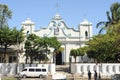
x,y
57,6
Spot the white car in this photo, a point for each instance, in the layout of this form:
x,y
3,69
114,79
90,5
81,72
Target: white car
x,y
33,72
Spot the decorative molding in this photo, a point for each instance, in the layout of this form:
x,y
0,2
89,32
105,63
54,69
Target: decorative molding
x,y
45,35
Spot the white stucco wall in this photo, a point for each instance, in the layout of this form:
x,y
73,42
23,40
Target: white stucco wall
x,y
69,37
105,69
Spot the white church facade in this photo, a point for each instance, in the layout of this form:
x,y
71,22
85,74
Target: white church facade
x,y
69,37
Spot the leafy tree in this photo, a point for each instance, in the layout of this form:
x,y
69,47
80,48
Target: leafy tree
x,y
82,51
74,53
48,43
105,47
39,48
9,37
91,54
31,46
5,14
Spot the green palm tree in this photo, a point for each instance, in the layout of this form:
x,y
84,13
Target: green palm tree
x,y
113,18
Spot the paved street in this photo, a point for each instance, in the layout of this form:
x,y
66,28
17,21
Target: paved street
x,y
32,79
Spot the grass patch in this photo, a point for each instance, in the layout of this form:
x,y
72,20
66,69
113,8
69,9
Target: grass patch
x,y
8,78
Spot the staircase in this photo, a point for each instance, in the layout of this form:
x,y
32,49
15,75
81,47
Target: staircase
x,y
64,69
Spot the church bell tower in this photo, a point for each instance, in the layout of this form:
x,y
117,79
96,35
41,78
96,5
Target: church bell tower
x,y
28,26
85,28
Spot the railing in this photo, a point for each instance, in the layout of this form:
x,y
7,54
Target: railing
x,y
14,68
103,69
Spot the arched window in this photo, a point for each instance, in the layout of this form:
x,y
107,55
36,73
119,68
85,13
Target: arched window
x,y
27,33
86,34
56,31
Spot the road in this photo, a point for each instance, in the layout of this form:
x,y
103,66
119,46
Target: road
x,y
31,79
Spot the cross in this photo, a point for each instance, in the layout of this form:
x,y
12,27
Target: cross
x,y
85,16
57,6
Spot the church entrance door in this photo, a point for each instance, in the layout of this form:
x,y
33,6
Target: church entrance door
x,y
59,59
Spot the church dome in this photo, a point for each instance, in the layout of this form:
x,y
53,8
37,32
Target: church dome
x,y
57,17
85,22
28,21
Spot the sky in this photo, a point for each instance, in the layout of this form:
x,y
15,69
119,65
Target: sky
x,y
72,11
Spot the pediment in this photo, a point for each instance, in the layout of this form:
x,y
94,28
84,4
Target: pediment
x,y
58,28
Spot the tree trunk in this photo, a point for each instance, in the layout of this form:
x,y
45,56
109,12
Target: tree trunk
x,y
31,61
82,58
26,60
4,55
75,60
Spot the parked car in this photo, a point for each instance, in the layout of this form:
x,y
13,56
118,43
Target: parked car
x,y
116,77
33,72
